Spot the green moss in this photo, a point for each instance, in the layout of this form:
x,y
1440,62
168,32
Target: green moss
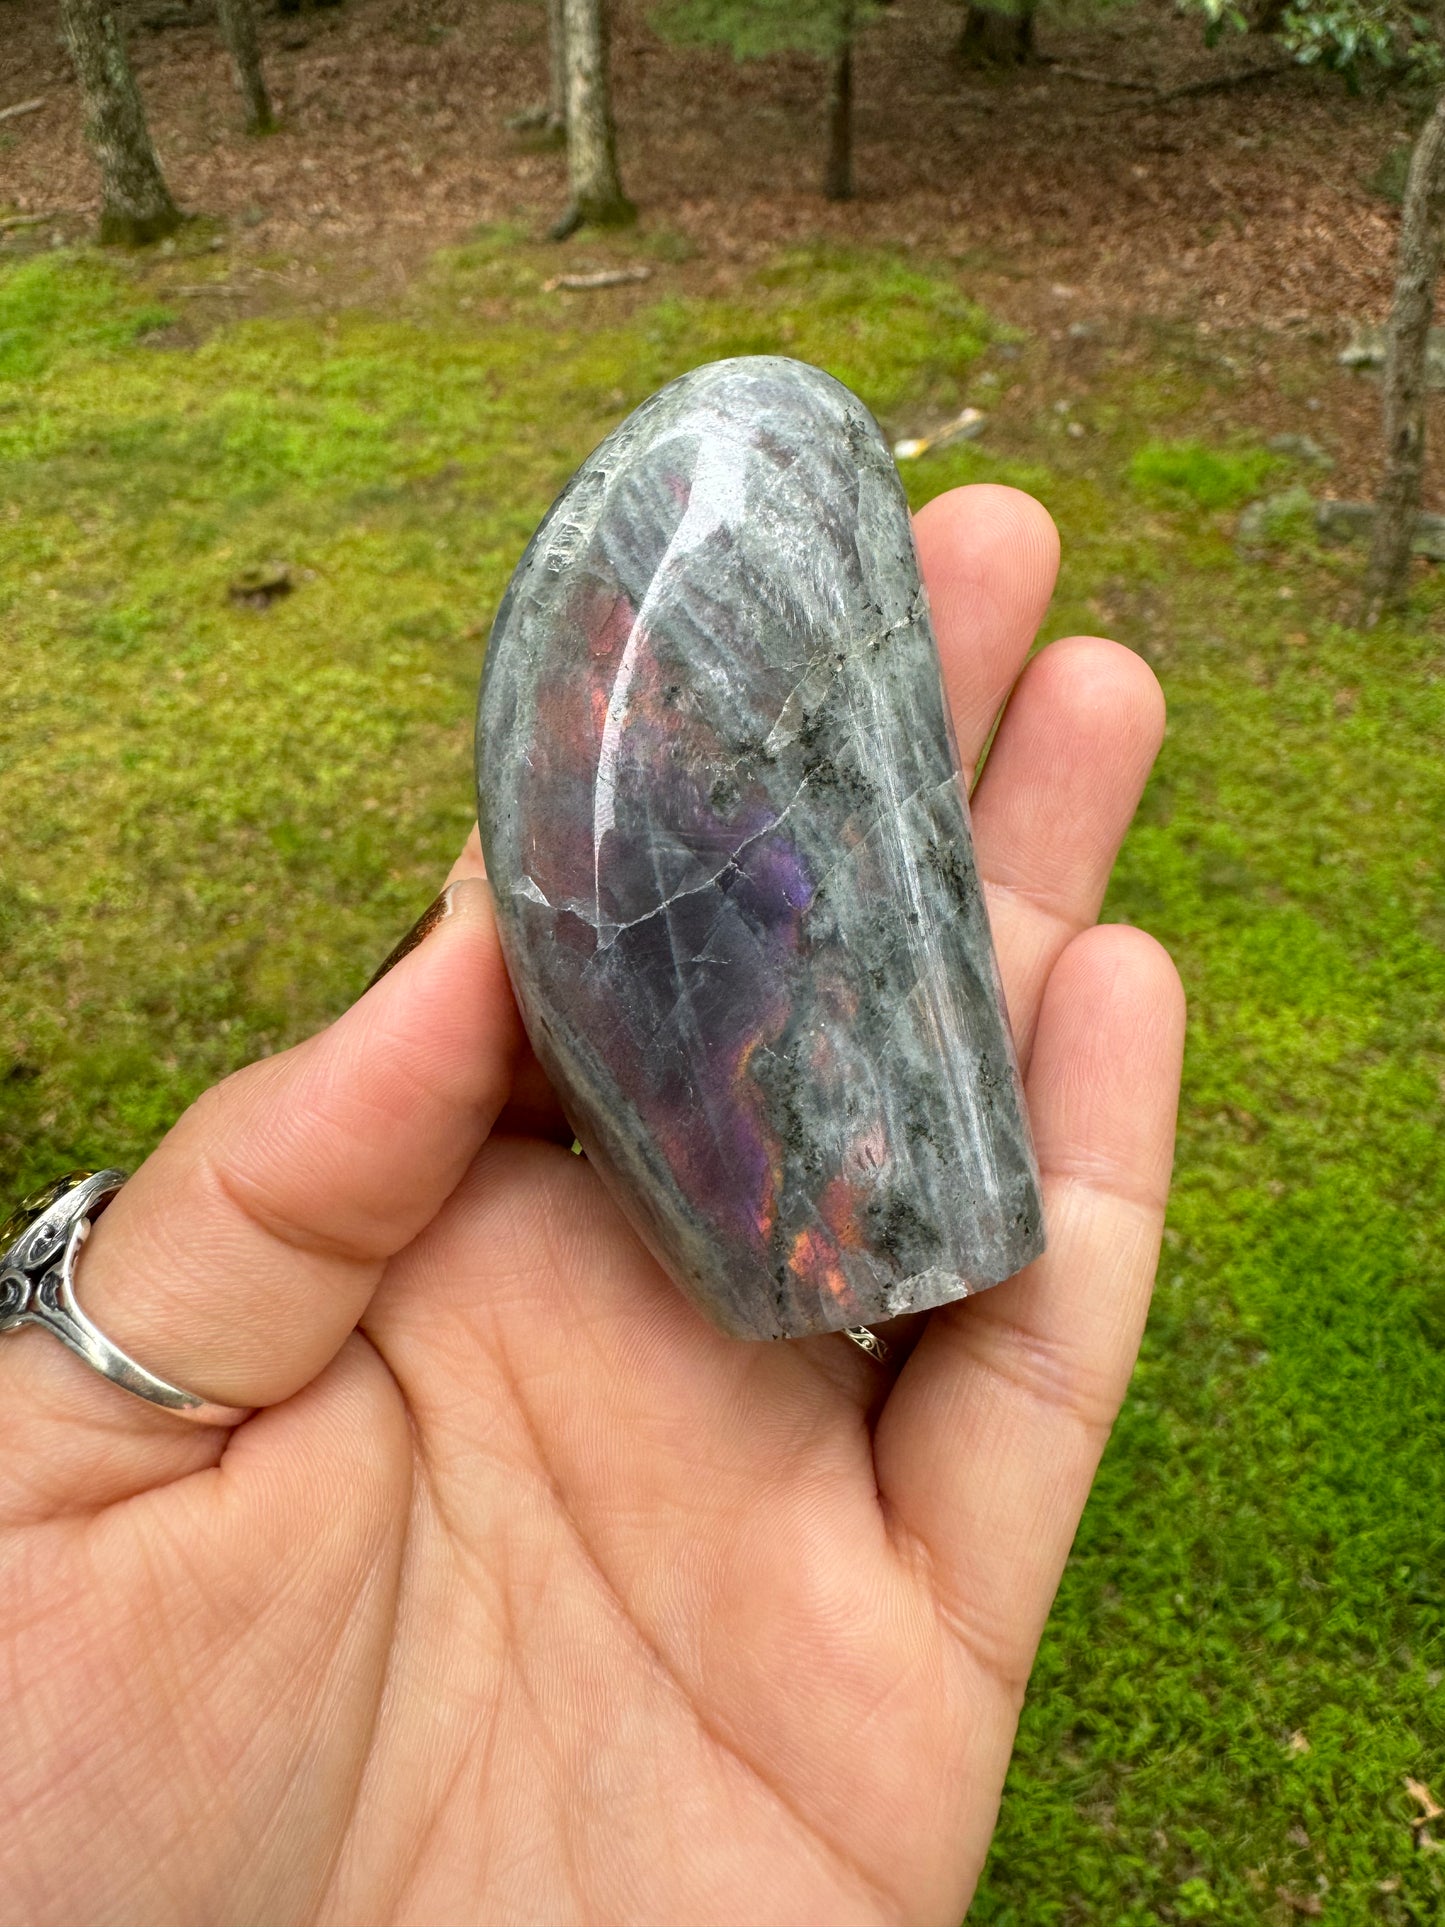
x,y
54,305
214,820
1188,471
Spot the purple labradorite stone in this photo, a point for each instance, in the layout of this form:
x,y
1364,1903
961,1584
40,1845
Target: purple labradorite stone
x,y
730,851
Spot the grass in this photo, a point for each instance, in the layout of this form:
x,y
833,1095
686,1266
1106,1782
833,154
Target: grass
x,y
213,821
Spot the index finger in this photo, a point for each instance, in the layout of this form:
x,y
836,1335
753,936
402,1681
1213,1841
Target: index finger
x,y
989,557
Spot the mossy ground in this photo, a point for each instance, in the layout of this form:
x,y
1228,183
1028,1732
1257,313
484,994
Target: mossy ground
x,y
214,819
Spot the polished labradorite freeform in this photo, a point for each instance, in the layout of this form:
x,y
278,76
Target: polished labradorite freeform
x,y
730,851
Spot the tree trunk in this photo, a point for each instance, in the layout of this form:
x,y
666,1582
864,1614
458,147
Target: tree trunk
x,y
838,176
238,30
136,206
591,138
1265,16
1422,241
556,122
997,36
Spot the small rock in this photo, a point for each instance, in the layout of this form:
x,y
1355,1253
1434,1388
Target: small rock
x,y
1345,521
1300,448
1273,519
1430,537
1366,349
1366,352
1084,331
1277,517
258,588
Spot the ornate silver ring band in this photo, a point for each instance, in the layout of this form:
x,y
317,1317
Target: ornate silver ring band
x,y
39,1246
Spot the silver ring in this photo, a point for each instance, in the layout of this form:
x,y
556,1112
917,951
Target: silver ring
x,y
39,1246
867,1341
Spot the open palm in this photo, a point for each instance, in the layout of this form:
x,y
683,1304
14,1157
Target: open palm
x,y
527,1597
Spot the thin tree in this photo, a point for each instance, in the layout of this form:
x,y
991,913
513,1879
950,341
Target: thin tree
x,y
754,29
997,35
594,183
838,173
549,117
556,121
238,30
1422,245
136,204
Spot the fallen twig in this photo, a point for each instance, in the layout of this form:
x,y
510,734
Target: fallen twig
x,y
22,107
258,588
1221,83
1103,80
963,428
1145,97
604,278
12,221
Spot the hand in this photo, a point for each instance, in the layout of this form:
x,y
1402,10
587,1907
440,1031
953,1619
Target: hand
x,y
526,1596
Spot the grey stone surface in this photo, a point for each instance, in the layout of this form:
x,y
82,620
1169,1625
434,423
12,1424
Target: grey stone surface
x,y
1275,518
730,850
1354,522
1301,448
1367,348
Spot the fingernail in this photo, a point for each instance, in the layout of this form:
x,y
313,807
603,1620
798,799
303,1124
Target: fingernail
x,y
436,912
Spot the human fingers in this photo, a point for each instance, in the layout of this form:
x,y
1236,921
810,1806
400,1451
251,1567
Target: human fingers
x,y
532,1109
244,1250
1059,790
471,862
989,1442
989,557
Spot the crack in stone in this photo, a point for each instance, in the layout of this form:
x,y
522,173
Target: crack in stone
x,y
529,889
532,891
873,639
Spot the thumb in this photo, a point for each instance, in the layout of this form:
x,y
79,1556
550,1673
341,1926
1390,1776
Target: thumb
x,y
242,1253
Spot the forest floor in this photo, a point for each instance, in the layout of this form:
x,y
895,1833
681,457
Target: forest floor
x,y
350,379
1253,213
